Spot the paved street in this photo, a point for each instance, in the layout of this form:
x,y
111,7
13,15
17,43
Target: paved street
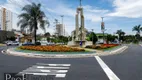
x,y
126,66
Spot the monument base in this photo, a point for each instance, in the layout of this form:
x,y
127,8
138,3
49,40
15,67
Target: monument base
x,y
77,43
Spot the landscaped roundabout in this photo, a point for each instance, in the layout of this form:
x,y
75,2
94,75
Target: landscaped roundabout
x,y
52,48
59,51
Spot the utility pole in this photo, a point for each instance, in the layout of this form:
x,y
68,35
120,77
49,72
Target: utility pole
x,y
92,36
103,28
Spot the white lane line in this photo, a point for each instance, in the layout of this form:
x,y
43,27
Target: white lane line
x,y
66,65
2,51
60,75
58,70
45,74
106,69
45,71
40,67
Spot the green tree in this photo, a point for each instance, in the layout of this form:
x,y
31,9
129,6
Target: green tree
x,y
110,38
129,38
137,36
47,34
31,18
120,34
48,39
137,28
92,36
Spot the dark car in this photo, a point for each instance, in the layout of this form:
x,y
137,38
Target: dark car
x,y
27,44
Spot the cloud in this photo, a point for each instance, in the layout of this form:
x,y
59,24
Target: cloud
x,y
91,14
94,14
91,9
127,8
15,5
54,8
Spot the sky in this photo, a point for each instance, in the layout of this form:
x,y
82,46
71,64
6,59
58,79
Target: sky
x,y
118,14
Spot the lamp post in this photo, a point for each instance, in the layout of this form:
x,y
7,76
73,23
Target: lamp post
x,y
92,36
103,28
62,16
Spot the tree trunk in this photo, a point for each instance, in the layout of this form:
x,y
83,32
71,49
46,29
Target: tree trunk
x,y
35,35
35,31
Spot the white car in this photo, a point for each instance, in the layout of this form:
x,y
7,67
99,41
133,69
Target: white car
x,y
43,42
12,43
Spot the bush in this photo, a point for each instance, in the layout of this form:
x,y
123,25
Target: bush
x,y
136,41
38,43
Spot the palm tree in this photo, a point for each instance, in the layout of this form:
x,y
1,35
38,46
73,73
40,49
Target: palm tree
x,y
32,18
120,34
137,28
47,34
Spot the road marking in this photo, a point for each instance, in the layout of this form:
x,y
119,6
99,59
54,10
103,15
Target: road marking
x,y
60,75
57,70
2,51
53,64
46,71
52,67
106,69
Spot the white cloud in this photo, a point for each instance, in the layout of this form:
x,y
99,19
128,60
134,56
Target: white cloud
x,y
94,10
56,8
91,14
127,8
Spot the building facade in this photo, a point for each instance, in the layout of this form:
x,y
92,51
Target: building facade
x,y
59,30
5,19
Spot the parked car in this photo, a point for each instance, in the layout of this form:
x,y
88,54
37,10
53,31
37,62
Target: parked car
x,y
12,43
43,42
27,44
50,43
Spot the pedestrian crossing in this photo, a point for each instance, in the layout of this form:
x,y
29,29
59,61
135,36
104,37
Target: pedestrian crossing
x,y
57,70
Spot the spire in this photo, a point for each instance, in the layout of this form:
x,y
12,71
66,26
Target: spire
x,y
80,3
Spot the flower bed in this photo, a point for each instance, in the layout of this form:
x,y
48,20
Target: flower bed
x,y
102,46
52,48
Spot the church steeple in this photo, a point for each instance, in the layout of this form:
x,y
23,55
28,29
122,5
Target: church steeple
x,y
80,3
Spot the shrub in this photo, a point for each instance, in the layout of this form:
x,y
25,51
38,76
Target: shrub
x,y
38,43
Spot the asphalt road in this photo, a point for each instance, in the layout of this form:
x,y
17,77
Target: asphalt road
x,y
126,66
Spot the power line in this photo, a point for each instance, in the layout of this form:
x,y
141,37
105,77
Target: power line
x,y
9,10
15,3
44,8
47,10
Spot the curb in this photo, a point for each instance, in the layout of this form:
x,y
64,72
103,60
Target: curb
x,y
117,51
12,52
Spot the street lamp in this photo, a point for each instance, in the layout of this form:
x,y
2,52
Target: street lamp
x,y
103,28
92,36
62,16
